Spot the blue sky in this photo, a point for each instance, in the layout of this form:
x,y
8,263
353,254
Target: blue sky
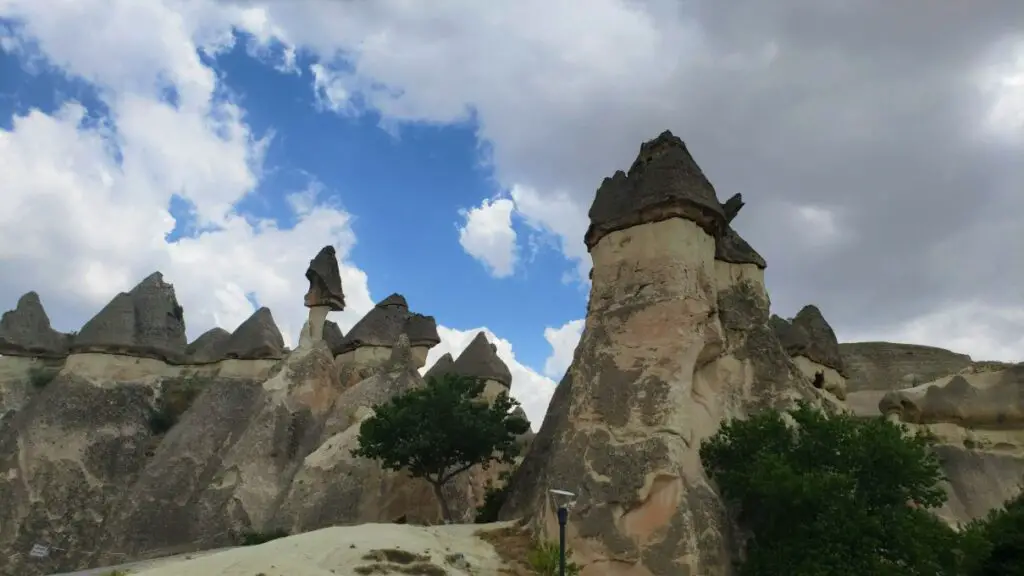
x,y
404,185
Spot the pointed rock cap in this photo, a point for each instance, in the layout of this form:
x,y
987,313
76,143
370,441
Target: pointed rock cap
x,y
146,321
208,347
333,336
258,338
480,360
663,182
325,281
26,331
811,336
731,247
386,321
444,365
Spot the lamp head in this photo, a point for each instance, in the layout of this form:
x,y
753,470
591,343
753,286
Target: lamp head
x,y
563,498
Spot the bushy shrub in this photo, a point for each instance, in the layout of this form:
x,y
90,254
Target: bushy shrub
x,y
543,560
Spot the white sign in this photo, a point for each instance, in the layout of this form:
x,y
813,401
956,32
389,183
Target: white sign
x,y
39,551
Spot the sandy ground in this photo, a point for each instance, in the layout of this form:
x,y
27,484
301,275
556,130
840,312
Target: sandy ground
x,y
343,551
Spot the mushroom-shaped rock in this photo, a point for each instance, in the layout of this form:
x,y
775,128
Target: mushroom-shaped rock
x,y
480,360
444,365
325,281
146,321
208,347
387,320
26,331
663,182
258,338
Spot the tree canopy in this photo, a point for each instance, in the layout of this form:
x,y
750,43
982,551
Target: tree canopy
x,y
833,495
440,430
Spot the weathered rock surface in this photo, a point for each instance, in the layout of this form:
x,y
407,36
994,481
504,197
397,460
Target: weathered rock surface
x,y
255,339
891,366
811,342
978,418
324,281
442,366
675,341
146,322
209,347
370,340
480,360
333,336
26,331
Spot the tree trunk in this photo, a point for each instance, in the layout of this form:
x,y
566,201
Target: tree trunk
x,y
446,512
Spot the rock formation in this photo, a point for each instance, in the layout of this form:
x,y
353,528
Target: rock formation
x,y
811,343
442,366
146,322
676,340
26,331
480,360
256,338
209,347
325,293
889,366
370,340
978,419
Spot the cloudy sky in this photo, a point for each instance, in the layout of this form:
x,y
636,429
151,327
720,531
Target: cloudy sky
x,y
450,151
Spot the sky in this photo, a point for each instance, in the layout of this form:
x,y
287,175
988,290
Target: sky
x,y
450,151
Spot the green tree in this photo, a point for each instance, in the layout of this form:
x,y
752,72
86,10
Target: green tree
x,y
995,544
440,430
832,496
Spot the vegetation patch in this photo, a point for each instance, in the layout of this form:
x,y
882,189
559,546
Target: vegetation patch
x,y
395,556
41,376
254,538
175,399
513,545
415,569
494,499
544,558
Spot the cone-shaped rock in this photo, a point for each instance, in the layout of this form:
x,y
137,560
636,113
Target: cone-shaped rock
x,y
208,347
480,360
147,322
333,336
26,331
386,321
663,182
257,338
810,335
325,281
444,365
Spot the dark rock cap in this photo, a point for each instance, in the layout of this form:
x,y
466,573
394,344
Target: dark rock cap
x,y
258,338
443,366
810,335
386,321
333,336
480,360
146,321
731,247
26,331
208,347
325,281
663,182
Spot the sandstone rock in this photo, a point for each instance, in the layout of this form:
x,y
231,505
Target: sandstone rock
x,y
325,281
480,360
146,322
208,347
675,342
26,331
990,400
444,365
891,366
256,338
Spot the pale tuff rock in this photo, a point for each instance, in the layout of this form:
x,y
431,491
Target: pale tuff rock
x,y
256,338
325,293
208,347
978,419
146,322
676,340
26,331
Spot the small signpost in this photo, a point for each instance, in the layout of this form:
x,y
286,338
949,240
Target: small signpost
x,y
39,551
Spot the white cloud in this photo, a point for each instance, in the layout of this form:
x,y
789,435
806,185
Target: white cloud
x,y
563,343
532,390
487,235
85,211
558,215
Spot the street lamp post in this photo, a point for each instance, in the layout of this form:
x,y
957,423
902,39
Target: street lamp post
x,y
564,501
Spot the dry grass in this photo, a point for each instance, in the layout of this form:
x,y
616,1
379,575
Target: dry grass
x,y
513,545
